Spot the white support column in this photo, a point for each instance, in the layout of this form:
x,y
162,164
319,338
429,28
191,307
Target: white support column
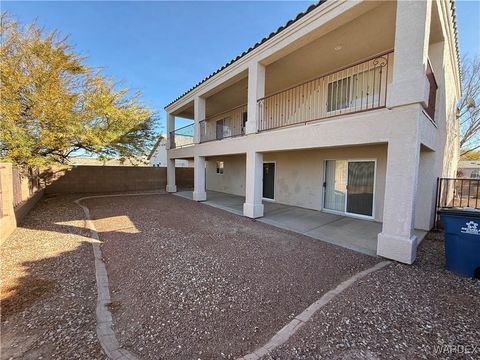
x,y
397,240
256,90
171,186
170,128
412,33
253,207
198,115
199,193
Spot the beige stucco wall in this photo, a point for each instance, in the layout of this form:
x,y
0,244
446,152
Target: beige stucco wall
x,y
232,181
299,174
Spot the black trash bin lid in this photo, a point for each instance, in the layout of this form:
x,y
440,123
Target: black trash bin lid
x,y
469,212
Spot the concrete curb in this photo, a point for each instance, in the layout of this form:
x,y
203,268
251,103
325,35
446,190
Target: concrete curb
x,y
288,330
106,335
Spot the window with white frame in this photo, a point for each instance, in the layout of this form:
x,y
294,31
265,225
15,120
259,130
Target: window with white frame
x,y
358,91
339,94
223,128
220,167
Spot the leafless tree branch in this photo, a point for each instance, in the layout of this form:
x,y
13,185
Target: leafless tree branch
x,y
469,105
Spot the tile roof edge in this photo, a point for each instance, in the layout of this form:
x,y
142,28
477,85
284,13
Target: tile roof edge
x,y
290,22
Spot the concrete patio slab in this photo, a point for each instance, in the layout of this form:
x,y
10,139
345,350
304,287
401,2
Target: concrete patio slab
x,y
302,220
360,235
320,225
355,234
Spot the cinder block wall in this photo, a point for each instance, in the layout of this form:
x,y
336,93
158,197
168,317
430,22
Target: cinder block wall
x,y
8,222
13,210
98,179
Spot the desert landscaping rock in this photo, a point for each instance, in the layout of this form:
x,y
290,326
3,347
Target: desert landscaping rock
x,y
291,328
48,286
189,281
105,332
400,312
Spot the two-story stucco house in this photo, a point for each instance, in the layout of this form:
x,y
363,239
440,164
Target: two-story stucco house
x,y
349,109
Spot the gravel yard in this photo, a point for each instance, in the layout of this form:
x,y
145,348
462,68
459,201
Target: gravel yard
x,y
401,312
48,289
189,281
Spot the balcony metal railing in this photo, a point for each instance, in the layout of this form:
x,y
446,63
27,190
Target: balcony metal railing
x,y
358,87
182,137
224,125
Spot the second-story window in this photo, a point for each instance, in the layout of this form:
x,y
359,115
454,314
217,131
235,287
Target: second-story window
x,y
223,128
203,131
244,122
339,94
432,95
360,91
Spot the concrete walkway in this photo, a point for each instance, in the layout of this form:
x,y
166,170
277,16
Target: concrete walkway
x,y
350,233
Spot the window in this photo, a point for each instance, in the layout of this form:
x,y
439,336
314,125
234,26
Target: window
x,y
244,122
361,91
220,167
339,94
223,128
203,131
432,94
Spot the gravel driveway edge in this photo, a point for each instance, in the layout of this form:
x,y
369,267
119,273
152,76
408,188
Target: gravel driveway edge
x,y
106,335
288,330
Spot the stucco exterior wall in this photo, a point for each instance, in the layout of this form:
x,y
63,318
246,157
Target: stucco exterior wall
x,y
299,175
426,190
232,181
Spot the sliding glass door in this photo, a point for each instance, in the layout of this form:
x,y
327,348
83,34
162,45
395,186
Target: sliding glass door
x,y
349,186
335,185
361,176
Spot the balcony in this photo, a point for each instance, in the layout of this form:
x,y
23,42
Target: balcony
x,y
224,125
352,89
356,88
182,137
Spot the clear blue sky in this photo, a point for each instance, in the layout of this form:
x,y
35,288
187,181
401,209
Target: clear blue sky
x,y
164,48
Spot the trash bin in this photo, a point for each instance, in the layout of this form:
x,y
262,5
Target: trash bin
x,y
462,240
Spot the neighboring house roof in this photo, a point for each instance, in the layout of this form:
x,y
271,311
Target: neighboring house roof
x,y
160,138
286,25
469,164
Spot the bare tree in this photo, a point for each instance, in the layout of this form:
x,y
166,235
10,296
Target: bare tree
x,y
468,107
